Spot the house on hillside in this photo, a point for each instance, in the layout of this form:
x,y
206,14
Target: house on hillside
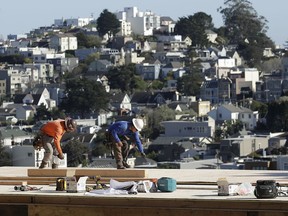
x,y
10,136
167,24
211,36
99,67
121,103
167,149
25,112
179,106
149,70
200,127
63,42
141,100
230,112
171,67
242,146
27,156
36,98
209,91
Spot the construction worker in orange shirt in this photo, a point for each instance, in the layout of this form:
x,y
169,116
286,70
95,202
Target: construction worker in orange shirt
x,y
52,133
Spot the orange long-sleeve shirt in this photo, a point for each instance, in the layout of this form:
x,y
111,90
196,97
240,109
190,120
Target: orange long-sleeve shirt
x,y
56,130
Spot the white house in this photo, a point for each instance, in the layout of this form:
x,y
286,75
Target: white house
x,y
251,74
25,112
63,42
223,66
126,29
14,136
142,23
77,22
230,112
43,71
27,156
203,128
37,96
211,36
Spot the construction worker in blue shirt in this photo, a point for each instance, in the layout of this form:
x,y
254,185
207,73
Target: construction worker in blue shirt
x,y
119,133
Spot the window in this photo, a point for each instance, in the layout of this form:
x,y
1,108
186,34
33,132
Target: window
x,y
30,154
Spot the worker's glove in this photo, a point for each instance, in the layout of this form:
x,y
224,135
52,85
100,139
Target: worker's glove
x,y
60,156
143,154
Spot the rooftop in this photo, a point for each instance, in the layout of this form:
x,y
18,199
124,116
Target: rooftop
x,y
196,194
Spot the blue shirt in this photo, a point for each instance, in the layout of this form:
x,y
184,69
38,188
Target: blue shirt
x,y
121,128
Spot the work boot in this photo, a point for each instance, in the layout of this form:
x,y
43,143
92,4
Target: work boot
x,y
119,164
120,167
54,166
43,165
126,165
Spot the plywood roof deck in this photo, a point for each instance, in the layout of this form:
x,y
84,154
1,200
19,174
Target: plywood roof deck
x,y
200,200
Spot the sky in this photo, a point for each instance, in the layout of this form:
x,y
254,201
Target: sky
x,y
19,17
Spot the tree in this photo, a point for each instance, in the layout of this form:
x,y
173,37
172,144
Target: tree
x,y
81,69
262,108
88,41
277,116
227,129
194,27
154,118
91,58
241,20
14,59
245,27
75,153
84,97
156,84
107,23
271,64
190,82
137,83
98,148
56,113
5,157
123,78
42,113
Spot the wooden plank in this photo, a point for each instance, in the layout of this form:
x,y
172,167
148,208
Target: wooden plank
x,y
26,178
52,180
112,173
18,183
51,172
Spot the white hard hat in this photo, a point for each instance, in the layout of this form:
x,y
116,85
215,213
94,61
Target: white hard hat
x,y
138,123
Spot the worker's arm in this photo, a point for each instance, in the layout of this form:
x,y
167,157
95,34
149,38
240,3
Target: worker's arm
x,y
57,138
138,142
116,137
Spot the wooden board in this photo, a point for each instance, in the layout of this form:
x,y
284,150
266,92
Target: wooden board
x,y
112,173
107,173
52,180
51,172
